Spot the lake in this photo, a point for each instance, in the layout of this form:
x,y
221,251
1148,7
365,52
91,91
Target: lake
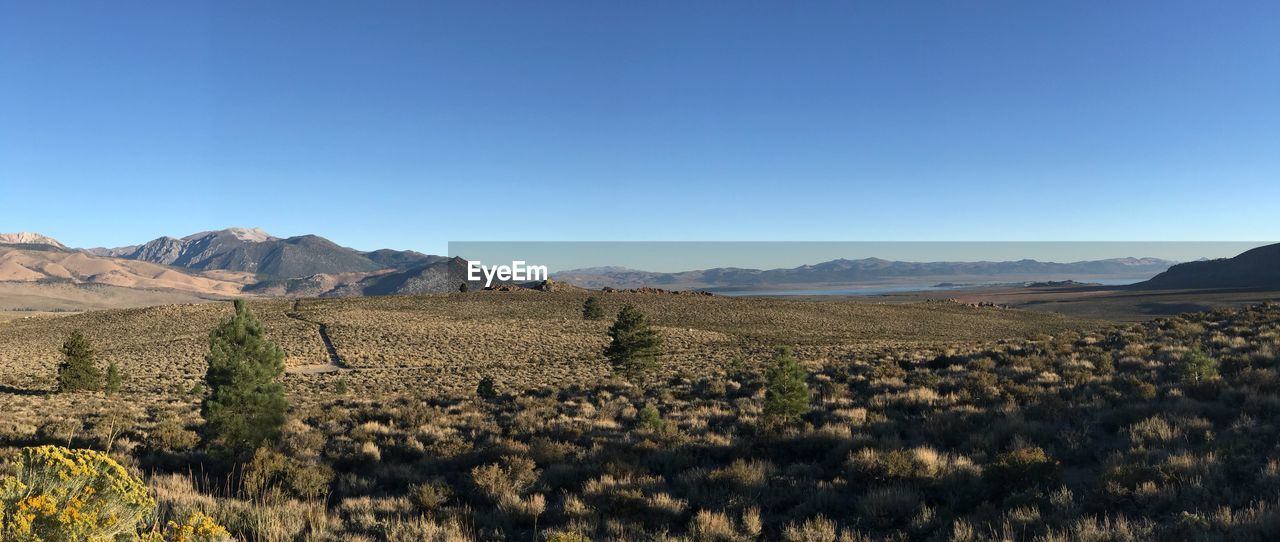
x,y
899,288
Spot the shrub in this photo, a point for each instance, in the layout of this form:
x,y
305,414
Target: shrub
x,y
424,529
171,435
421,529
270,473
1154,431
1197,367
743,474
113,379
198,527
591,309
786,393
708,526
633,349
565,536
431,496
889,505
245,407
1021,468
60,494
1144,390
1234,366
77,371
505,484
815,529
262,473
650,418
500,482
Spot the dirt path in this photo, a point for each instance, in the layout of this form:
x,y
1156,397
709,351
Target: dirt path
x,y
335,362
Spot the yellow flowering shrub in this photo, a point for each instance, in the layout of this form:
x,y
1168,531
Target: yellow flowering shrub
x,y
64,495
198,527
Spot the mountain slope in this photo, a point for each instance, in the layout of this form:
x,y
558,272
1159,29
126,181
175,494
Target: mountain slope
x,y
439,276
28,238
255,251
1256,268
50,264
401,259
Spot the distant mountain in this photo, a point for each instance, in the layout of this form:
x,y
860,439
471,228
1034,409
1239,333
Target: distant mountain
x,y
45,263
441,275
844,271
28,238
255,251
1256,268
214,264
318,285
603,270
401,259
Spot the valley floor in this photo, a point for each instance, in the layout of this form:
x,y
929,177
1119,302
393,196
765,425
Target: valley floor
x,y
1099,302
929,420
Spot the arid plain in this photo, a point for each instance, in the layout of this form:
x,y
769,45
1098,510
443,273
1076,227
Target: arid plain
x,y
928,420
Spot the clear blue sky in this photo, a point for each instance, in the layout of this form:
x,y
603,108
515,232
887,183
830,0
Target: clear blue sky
x,y
411,124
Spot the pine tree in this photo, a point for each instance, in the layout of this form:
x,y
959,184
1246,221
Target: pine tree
x,y
486,389
245,406
591,309
113,379
786,396
633,351
650,418
77,371
1196,367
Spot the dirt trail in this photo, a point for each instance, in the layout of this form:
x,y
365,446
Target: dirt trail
x,y
335,361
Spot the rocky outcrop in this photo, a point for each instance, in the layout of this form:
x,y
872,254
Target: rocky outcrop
x,y
653,291
164,251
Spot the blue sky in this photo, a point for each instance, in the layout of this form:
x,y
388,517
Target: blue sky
x,y
411,124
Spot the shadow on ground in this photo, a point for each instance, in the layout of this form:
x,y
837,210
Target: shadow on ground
x,y
21,391
1169,309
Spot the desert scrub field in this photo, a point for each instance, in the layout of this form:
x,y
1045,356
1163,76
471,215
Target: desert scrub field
x,y
163,347
443,344
1165,430
532,339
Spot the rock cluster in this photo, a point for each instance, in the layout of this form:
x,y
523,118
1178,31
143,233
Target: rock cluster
x,y
647,290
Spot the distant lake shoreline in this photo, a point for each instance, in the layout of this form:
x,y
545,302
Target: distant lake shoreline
x,y
881,289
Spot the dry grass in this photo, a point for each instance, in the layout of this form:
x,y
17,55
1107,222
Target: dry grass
x,y
445,343
997,425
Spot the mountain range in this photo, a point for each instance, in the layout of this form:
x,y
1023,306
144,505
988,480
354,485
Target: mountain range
x,y
845,272
250,261
255,251
439,275
228,262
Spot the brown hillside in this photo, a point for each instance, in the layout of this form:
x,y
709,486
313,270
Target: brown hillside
x,y
30,263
